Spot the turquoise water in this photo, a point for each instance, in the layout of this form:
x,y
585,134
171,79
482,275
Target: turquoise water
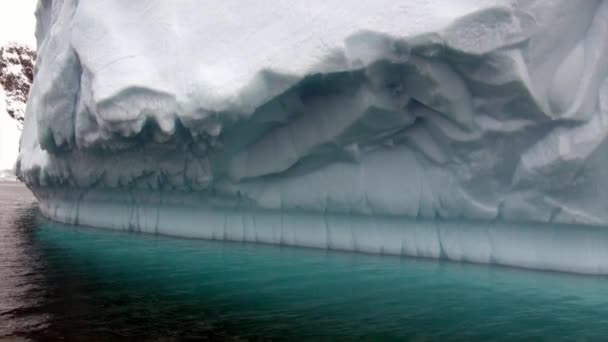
x,y
179,287
87,284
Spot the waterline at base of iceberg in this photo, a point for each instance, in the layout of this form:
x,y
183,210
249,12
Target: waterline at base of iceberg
x,y
542,246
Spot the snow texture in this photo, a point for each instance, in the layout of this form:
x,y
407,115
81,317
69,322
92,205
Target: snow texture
x,y
9,140
16,76
464,129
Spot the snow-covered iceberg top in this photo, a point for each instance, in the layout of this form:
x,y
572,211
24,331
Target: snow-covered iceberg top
x,y
225,114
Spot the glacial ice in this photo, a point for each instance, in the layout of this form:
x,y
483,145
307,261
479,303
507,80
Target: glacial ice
x,y
465,129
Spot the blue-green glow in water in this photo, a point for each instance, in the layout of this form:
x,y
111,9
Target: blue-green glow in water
x,y
134,285
74,283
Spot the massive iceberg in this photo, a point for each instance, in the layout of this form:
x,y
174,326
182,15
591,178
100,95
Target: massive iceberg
x,y
469,130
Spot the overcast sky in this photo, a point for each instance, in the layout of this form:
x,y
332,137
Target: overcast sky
x,y
17,21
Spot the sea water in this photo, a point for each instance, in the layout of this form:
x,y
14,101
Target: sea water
x,y
78,283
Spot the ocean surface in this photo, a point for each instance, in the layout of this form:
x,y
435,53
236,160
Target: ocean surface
x,y
60,282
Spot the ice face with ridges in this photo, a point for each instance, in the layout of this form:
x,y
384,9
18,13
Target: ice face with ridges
x,y
476,127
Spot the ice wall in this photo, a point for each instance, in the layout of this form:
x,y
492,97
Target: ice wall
x,y
197,119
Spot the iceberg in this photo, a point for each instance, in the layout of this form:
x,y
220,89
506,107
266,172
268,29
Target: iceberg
x,y
467,130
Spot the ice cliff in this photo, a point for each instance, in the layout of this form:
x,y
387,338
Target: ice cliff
x,y
461,129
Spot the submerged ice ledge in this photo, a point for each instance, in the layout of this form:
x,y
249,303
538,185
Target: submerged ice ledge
x,y
556,247
476,132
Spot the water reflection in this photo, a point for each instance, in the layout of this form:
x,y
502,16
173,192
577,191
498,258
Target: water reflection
x,y
129,285
71,283
22,282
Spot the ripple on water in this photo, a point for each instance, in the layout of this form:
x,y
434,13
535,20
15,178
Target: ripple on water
x,y
62,282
